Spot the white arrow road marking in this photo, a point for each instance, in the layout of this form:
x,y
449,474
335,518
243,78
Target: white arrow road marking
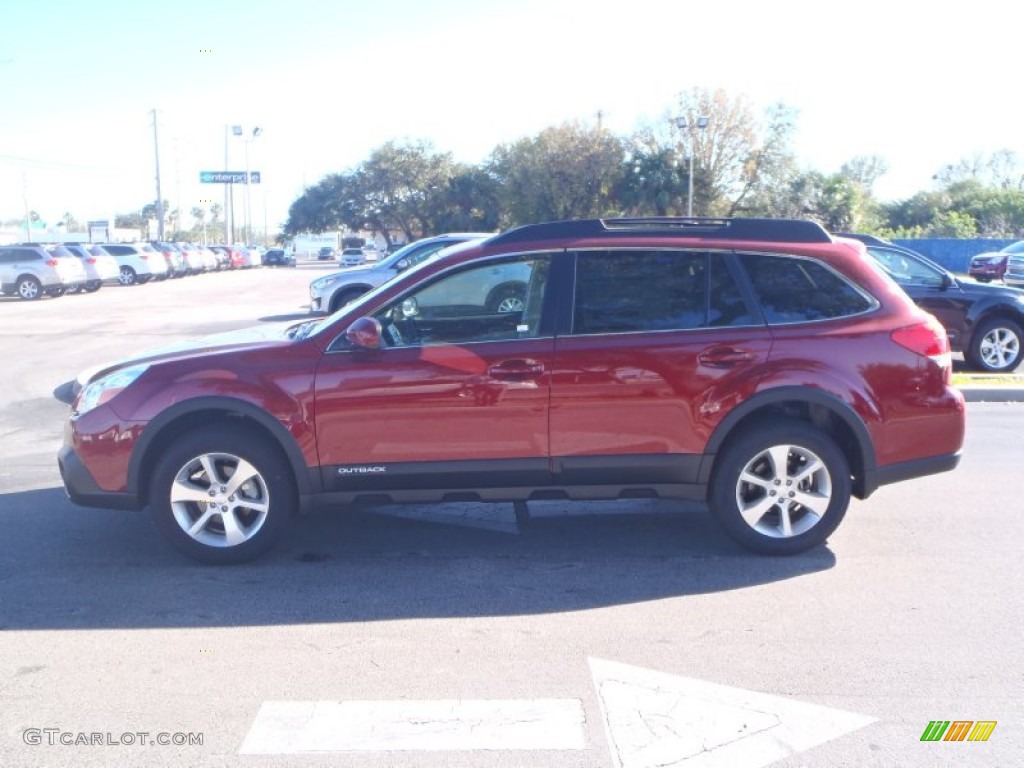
x,y
295,727
655,719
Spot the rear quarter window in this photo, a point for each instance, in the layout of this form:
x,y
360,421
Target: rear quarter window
x,y
798,290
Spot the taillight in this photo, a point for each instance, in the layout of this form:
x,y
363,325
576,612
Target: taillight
x,y
143,256
52,263
927,339
91,260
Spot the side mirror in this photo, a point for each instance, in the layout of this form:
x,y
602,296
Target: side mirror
x,y
364,333
402,264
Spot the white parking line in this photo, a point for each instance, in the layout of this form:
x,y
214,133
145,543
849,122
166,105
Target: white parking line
x,y
297,727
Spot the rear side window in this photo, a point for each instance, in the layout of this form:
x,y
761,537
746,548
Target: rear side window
x,y
635,291
798,290
119,250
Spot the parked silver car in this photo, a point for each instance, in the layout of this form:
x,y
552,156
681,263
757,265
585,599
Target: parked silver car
x,y
29,270
331,292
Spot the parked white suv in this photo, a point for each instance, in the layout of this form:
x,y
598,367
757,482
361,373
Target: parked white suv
x,y
331,292
138,262
29,270
100,266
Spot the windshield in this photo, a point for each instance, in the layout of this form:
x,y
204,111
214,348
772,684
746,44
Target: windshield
x,y
1017,247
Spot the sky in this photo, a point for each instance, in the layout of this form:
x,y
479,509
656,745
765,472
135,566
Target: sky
x,y
921,85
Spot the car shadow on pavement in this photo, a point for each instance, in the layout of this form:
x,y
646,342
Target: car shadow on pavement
x,y
64,567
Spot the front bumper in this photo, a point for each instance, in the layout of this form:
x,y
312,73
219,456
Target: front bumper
x,y
82,489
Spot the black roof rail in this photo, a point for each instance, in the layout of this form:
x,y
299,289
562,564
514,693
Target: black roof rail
x,y
866,239
766,230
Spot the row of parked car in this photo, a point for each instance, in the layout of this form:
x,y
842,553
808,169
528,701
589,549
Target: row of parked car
x,y
32,270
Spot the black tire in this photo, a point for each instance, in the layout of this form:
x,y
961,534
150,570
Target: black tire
x,y
127,276
996,345
272,487
507,298
28,288
56,292
829,486
344,297
93,285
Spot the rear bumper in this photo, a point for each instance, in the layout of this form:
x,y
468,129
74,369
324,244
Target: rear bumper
x,y
908,470
82,489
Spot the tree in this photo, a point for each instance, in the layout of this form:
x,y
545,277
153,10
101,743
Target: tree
x,y
735,152
400,188
71,224
864,170
562,173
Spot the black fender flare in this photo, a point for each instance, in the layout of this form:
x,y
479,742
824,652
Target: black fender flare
x,y
864,485
156,428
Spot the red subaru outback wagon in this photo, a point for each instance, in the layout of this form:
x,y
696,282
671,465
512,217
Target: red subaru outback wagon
x,y
761,365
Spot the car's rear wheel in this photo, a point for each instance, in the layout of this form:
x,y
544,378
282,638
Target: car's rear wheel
x,y
93,285
56,291
127,276
222,497
780,487
29,287
996,345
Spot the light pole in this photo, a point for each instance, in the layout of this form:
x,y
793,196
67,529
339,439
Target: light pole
x,y
247,136
681,124
159,198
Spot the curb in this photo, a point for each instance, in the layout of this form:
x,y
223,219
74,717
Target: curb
x,y
993,394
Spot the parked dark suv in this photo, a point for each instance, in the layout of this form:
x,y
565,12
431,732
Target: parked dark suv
x,y
758,364
984,322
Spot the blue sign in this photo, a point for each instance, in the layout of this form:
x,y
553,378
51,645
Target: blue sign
x,y
222,177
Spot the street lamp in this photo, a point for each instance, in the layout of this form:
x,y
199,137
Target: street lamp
x,y
247,137
681,124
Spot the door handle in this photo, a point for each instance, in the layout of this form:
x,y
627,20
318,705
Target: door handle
x,y
724,357
516,370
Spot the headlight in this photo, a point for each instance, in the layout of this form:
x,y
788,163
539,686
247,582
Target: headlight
x,y
323,282
102,390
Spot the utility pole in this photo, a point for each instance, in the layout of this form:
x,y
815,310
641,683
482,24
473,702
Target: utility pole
x,y
28,213
229,197
159,197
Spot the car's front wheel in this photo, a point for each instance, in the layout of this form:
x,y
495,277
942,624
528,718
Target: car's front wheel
x,y
29,288
222,497
996,345
781,487
345,297
507,298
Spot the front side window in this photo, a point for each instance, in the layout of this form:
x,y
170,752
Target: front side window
x,y
904,269
798,290
634,291
493,301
